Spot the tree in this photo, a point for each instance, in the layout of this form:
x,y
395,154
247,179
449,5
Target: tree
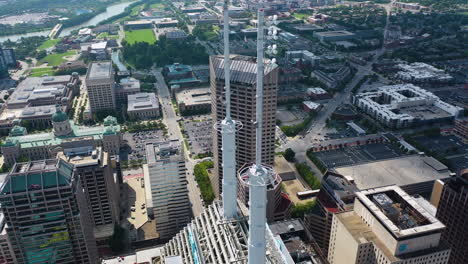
x,y
289,155
42,54
116,241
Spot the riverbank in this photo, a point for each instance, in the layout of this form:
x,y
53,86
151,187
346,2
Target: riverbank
x,y
110,11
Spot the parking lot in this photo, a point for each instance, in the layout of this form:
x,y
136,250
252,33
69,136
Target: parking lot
x,y
290,116
199,135
443,145
358,154
136,143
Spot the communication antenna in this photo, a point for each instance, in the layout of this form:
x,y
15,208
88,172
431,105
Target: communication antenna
x,y
228,128
258,176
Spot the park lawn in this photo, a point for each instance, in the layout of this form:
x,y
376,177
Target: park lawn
x,y
48,43
157,6
38,72
55,59
106,35
300,16
140,35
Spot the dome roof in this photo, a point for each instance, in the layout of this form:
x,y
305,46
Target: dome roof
x,y
59,117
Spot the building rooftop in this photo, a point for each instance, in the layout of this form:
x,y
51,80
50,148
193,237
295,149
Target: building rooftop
x,y
398,212
401,171
42,139
163,151
311,105
99,70
83,156
419,71
243,68
138,22
194,96
142,101
36,175
336,33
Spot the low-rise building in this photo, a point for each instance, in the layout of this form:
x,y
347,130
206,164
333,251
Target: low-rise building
x,y
197,100
180,74
65,135
302,56
176,34
332,80
126,87
328,36
318,93
34,100
138,24
143,106
165,22
406,105
310,106
307,28
419,72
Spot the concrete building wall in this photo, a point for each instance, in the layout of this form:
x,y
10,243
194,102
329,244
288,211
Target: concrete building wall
x,y
343,248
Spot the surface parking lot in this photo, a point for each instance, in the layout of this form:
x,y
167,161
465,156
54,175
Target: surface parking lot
x,y
358,154
199,135
443,145
136,141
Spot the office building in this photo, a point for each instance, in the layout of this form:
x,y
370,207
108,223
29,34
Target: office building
x,y
35,98
387,226
166,195
46,214
243,90
243,74
143,106
405,105
7,59
337,35
452,211
66,134
126,87
100,85
194,101
100,186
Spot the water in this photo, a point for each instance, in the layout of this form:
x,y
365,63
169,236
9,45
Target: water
x,y
110,11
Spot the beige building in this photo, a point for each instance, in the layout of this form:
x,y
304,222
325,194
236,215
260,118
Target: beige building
x,y
167,200
143,106
387,226
100,85
194,101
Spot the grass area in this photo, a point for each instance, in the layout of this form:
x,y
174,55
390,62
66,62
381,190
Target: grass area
x,y
48,43
159,6
38,72
293,130
299,210
308,175
55,59
107,36
300,16
140,35
203,180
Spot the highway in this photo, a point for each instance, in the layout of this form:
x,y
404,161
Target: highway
x,y
170,120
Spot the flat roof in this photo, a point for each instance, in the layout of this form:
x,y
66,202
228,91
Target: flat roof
x,y
386,202
100,70
335,33
194,96
163,150
401,171
142,101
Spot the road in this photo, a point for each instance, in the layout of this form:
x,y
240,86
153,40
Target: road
x,y
170,120
301,144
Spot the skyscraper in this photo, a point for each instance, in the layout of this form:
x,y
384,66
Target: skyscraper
x,y
387,226
167,195
47,219
453,212
100,86
243,80
100,186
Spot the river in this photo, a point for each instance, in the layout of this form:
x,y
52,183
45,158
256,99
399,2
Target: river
x,y
110,11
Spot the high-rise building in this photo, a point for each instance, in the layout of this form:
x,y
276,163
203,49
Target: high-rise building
x,y
167,195
46,215
100,185
7,60
452,210
243,96
243,76
101,86
387,226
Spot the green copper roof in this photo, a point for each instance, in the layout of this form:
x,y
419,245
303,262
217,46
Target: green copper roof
x,y
110,121
18,131
59,117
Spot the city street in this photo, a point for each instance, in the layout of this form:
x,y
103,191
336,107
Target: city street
x,y
170,120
